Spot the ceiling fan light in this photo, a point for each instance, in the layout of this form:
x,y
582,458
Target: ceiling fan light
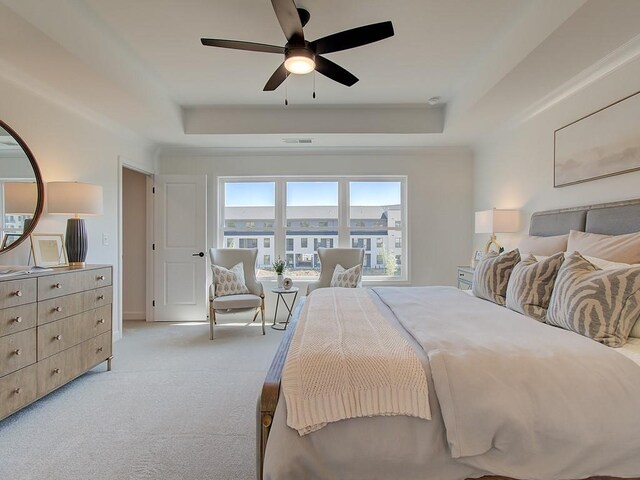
x,y
299,61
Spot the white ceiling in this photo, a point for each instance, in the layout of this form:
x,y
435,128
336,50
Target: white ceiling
x,y
139,65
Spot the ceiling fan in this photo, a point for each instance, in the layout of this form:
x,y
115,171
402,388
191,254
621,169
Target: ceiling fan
x,y
302,56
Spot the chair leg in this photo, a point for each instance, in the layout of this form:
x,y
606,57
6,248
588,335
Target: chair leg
x,y
256,315
262,311
212,320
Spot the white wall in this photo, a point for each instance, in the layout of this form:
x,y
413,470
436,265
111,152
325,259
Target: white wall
x,y
70,147
134,244
515,169
439,195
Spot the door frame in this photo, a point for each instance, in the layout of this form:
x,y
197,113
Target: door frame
x,y
124,162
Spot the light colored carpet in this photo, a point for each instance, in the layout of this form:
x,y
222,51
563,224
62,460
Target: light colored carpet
x,y
175,406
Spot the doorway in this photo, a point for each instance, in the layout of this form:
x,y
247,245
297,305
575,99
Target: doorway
x,y
135,244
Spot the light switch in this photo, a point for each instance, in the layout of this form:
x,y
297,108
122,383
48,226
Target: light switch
x,y
105,239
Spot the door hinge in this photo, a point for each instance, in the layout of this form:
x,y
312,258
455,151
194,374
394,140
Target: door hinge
x,y
153,304
153,246
153,189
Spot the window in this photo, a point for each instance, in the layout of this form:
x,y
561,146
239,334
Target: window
x,y
376,210
311,212
271,214
248,243
248,218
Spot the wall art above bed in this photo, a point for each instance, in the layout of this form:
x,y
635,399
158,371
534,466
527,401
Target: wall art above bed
x,y
602,144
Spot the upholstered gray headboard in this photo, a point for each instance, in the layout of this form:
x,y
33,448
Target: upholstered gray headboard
x,y
614,218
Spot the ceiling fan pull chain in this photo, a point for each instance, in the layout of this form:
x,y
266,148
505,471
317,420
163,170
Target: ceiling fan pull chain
x,y
286,91
314,84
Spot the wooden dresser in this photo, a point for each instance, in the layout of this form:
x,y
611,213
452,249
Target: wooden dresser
x,y
54,326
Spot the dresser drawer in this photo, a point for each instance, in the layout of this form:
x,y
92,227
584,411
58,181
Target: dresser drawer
x,y
62,307
17,292
54,286
60,368
17,319
57,336
97,350
17,390
17,351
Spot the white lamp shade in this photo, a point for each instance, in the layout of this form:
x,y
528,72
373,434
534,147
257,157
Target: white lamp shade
x,y
497,221
74,198
20,198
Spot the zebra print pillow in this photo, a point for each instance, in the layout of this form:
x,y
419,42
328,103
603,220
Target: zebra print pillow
x,y
599,304
491,276
531,284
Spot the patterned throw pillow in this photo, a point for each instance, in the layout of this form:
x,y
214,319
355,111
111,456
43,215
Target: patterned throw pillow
x,y
229,281
531,284
491,276
346,278
599,304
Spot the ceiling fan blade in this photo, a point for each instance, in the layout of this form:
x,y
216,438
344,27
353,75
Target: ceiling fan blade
x,y
279,76
239,45
356,37
334,71
289,19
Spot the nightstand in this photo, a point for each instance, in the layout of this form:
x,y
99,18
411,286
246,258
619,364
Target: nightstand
x,y
465,278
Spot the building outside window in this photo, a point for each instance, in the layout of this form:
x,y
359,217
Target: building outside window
x,y
271,213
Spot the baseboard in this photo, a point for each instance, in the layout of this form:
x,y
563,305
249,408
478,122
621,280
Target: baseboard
x,y
134,315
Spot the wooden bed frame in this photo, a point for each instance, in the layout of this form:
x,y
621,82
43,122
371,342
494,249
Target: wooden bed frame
x,y
620,217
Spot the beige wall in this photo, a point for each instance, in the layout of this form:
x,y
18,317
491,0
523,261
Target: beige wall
x,y
134,244
68,146
515,169
439,195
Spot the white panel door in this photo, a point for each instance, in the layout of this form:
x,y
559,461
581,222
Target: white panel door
x,y
180,236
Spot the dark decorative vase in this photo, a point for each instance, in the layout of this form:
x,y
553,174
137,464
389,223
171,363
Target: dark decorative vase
x,y
76,242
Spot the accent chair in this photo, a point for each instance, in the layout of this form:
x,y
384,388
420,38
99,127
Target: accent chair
x,y
329,258
254,300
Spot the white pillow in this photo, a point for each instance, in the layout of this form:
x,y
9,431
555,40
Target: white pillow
x,y
229,281
346,278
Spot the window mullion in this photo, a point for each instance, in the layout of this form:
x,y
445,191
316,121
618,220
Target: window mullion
x,y
280,220
343,214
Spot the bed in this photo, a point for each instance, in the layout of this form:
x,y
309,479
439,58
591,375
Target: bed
x,y
480,426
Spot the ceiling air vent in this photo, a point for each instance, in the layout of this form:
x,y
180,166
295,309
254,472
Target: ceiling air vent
x,y
298,141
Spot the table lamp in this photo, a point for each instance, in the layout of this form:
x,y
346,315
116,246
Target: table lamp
x,y
21,198
74,198
496,221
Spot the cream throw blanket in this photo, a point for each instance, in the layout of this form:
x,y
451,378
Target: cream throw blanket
x,y
346,361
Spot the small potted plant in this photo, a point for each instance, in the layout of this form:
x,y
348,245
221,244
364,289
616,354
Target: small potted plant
x,y
279,266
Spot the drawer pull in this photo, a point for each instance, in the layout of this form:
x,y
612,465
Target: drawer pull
x,y
57,309
17,391
58,337
99,350
57,285
100,297
17,320
56,371
100,277
18,293
17,351
101,320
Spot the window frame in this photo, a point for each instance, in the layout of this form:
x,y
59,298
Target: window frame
x,y
344,205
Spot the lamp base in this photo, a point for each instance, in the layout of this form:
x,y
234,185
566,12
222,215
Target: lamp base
x,y
76,241
492,241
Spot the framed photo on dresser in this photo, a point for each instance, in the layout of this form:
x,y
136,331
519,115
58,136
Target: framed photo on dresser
x,y
48,250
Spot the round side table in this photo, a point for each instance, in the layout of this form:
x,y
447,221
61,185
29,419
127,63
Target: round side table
x,y
281,294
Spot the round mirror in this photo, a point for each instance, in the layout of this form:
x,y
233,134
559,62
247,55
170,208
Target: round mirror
x,y
21,190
